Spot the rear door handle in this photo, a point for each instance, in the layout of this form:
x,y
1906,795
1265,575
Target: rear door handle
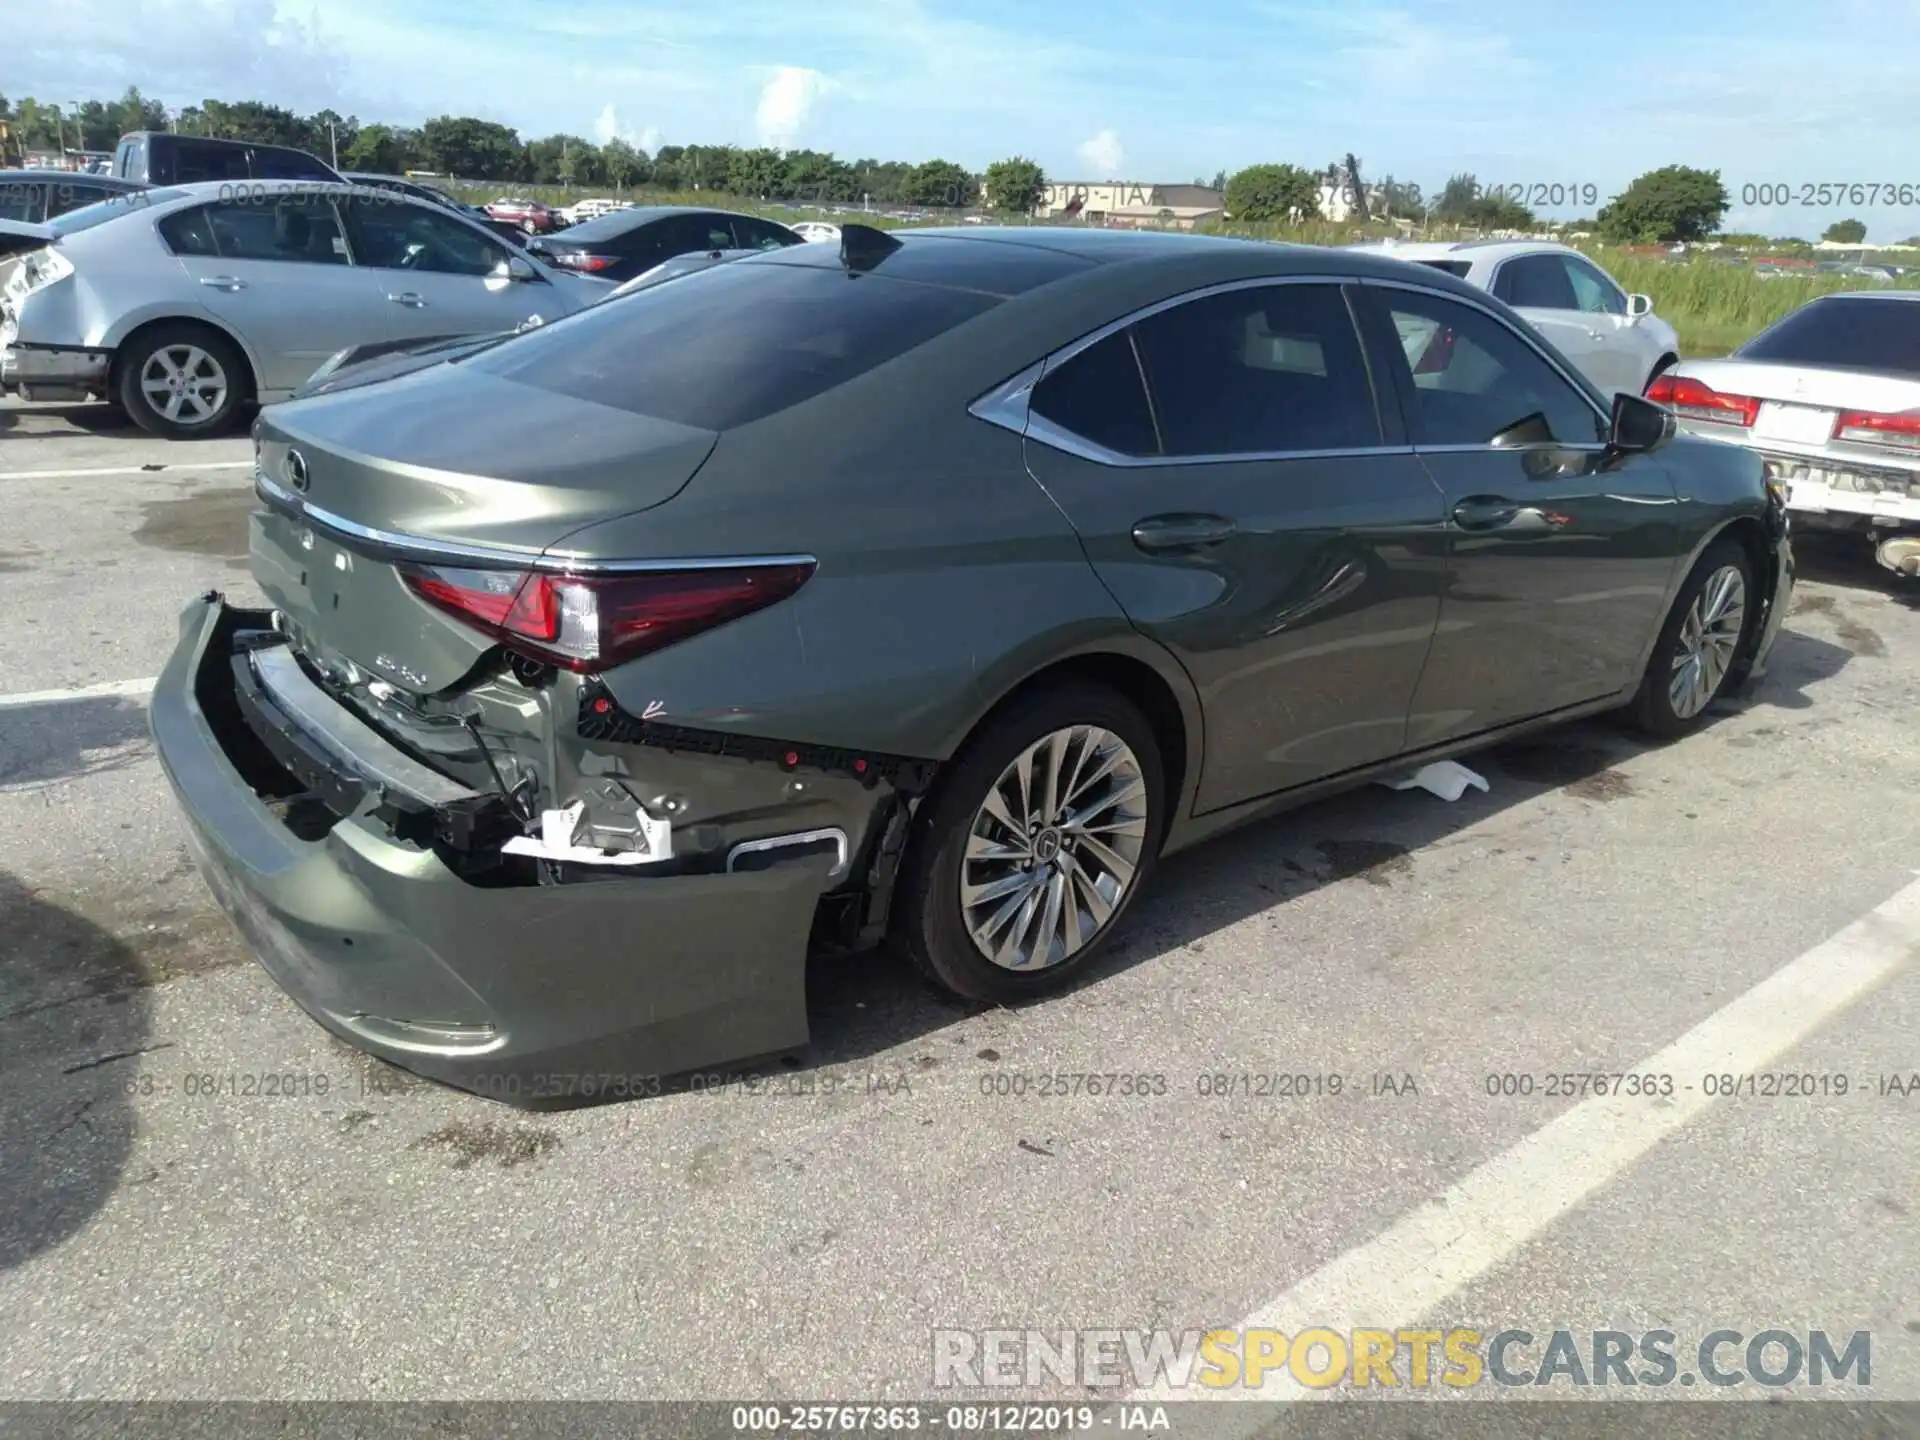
x,y
1484,512
1160,533
223,282
410,298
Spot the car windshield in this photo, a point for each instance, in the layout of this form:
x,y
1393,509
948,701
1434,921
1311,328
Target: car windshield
x,y
1845,332
101,211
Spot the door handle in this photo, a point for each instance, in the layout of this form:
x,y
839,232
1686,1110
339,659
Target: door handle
x,y
412,299
1485,512
1160,533
223,282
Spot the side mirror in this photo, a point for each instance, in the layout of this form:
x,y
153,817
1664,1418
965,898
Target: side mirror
x,y
1639,306
1639,425
519,269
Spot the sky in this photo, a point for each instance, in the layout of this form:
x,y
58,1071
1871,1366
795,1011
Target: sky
x,y
1772,93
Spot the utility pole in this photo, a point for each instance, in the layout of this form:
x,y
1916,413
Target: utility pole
x,y
79,134
333,144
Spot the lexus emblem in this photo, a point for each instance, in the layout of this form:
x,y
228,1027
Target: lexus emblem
x,y
297,471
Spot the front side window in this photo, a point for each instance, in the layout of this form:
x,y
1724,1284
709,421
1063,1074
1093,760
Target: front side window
x,y
1592,291
755,234
400,235
1255,371
300,228
1099,395
1472,378
1535,282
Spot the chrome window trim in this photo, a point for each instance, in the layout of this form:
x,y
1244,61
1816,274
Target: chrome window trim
x,y
1008,404
545,562
1579,384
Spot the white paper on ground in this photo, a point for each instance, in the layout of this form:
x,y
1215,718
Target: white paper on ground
x,y
1448,779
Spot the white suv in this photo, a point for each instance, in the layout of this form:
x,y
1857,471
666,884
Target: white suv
x,y
1613,337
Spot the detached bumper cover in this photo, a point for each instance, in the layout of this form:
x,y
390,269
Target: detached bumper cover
x,y
57,370
520,992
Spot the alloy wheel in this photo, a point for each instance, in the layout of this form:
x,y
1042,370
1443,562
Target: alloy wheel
x,y
1709,639
184,384
1054,848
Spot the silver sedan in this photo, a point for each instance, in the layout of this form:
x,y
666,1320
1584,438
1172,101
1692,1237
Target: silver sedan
x,y
185,305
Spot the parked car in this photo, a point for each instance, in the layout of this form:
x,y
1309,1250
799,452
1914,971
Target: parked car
x,y
941,605
162,157
628,243
530,216
193,303
32,196
1829,398
817,232
593,208
1614,338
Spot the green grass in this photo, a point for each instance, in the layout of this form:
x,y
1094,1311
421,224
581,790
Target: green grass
x,y
1715,306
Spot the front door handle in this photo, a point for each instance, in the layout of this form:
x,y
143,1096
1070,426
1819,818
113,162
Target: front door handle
x,y
223,282
1161,533
412,299
1484,512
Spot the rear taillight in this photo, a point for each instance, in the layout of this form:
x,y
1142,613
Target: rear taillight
x,y
39,269
1899,431
1698,401
592,622
574,260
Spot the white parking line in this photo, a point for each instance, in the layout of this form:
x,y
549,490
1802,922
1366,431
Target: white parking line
x,y
126,470
1399,1276
78,692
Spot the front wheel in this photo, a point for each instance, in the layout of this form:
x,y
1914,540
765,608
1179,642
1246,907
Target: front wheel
x,y
1699,644
1040,836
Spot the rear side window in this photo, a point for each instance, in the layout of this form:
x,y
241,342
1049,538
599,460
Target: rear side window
x,y
301,228
114,206
1099,396
1270,369
22,200
731,344
271,162
204,160
1842,333
755,234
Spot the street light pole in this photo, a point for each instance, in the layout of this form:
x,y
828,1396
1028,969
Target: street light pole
x,y
333,143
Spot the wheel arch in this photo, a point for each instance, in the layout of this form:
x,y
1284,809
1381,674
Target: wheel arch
x,y
123,346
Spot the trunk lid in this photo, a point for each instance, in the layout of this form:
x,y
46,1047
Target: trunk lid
x,y
1824,389
442,464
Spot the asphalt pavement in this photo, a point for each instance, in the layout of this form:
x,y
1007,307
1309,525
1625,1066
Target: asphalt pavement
x,y
174,1224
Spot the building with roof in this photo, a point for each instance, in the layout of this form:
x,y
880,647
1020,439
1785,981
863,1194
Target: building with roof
x,y
1127,203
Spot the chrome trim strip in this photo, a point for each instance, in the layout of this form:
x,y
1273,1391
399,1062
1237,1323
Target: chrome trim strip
x,y
1594,448
353,742
802,837
561,562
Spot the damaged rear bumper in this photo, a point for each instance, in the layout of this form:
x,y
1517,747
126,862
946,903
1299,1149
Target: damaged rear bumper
x,y
519,991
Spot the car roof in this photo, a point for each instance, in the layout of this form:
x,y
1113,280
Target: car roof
x,y
1466,249
112,182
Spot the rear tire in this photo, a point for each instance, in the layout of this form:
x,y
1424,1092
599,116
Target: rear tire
x,y
1700,646
1040,882
194,372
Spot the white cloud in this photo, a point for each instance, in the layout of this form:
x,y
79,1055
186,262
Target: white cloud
x,y
607,126
1103,154
785,102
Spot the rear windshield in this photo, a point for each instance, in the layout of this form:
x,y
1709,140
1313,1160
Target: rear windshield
x,y
88,216
733,343
1452,267
1845,333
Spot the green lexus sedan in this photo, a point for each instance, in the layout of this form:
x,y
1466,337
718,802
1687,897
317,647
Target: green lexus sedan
x,y
923,589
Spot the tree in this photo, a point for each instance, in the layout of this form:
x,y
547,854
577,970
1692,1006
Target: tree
x,y
472,149
1847,232
1273,192
759,174
621,162
1400,200
1456,196
1219,181
1675,202
941,184
1497,212
375,149
1016,184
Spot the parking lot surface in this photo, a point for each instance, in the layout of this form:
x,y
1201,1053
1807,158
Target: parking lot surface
x,y
167,1231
